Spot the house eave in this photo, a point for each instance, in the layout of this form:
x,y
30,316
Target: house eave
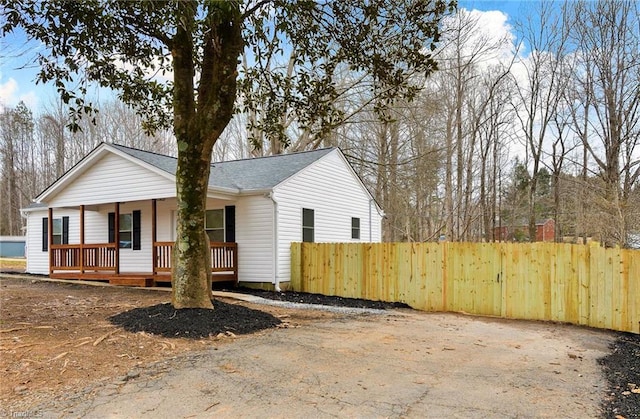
x,y
77,170
217,191
260,191
32,209
214,192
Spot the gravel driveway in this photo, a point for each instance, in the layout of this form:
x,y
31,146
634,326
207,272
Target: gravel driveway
x,y
396,364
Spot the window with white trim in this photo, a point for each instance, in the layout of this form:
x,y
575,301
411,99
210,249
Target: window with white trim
x,y
126,231
56,234
129,230
60,232
308,225
214,225
355,228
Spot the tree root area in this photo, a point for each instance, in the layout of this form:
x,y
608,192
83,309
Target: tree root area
x,y
622,369
194,323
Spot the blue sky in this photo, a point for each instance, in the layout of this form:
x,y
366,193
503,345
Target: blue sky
x,y
509,7
17,73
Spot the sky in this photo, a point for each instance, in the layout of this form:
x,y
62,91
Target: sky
x,y
17,73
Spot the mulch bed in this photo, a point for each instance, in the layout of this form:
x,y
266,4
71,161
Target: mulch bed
x,y
622,369
327,300
195,323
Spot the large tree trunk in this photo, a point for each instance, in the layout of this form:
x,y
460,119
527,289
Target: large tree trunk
x,y
197,126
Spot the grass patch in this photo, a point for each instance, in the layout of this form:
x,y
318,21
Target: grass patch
x,y
13,263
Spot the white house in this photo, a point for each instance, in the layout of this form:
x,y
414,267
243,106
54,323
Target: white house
x,y
255,209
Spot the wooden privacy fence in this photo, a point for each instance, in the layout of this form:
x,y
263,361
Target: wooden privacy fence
x,y
577,284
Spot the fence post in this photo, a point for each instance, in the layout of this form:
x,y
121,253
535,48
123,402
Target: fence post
x,y
296,266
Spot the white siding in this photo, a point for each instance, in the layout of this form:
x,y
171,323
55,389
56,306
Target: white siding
x,y
137,260
96,230
166,220
113,179
166,216
37,260
254,235
254,226
331,189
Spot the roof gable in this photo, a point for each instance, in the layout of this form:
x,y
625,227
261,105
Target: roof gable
x,y
89,161
236,176
350,169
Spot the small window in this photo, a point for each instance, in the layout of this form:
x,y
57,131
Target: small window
x,y
355,228
126,231
214,225
307,225
60,232
129,229
56,236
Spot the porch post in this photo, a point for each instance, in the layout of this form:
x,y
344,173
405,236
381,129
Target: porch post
x,y
82,238
154,236
117,236
50,239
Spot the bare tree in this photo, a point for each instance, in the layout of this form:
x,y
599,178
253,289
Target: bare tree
x,y
463,64
15,147
539,94
607,38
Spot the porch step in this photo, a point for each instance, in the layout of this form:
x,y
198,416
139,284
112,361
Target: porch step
x,y
132,281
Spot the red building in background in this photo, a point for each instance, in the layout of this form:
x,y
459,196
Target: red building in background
x,y
545,232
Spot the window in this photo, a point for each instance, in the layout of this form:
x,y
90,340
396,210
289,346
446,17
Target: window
x,y
126,231
60,232
56,235
214,225
355,228
307,225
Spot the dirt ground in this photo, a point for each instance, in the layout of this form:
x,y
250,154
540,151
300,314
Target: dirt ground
x,y
56,338
65,346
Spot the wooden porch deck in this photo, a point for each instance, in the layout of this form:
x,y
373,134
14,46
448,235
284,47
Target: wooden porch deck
x,y
132,279
99,262
135,279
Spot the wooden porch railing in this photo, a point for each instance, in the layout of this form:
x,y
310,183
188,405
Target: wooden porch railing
x,y
83,257
102,258
224,259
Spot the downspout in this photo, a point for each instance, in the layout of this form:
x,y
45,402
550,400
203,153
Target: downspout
x,y
370,201
275,242
24,233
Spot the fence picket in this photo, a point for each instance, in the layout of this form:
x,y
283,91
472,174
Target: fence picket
x,y
540,281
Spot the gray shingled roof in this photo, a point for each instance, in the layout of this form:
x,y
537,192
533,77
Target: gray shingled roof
x,y
259,173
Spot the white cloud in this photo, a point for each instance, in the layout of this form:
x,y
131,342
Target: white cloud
x,y
7,92
473,30
10,95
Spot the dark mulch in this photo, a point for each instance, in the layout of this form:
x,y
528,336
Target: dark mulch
x,y
164,320
622,369
194,323
327,300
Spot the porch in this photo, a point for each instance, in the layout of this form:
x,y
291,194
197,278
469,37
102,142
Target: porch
x,y
100,262
112,261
